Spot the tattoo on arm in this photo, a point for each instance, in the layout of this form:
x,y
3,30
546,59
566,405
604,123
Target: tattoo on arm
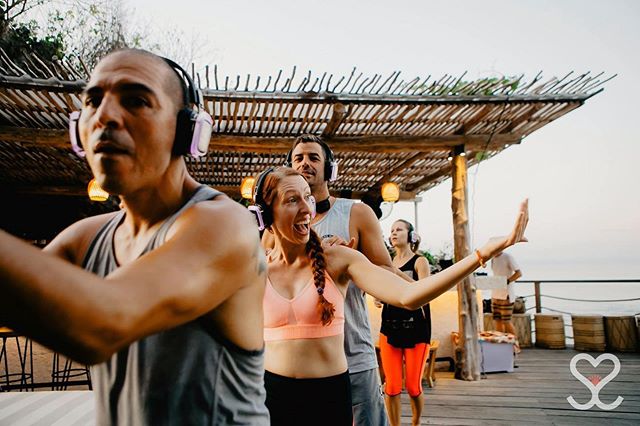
x,y
261,261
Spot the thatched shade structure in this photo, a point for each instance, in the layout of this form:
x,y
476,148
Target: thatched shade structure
x,y
381,129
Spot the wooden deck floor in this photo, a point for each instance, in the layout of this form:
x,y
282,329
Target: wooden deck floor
x,y
535,393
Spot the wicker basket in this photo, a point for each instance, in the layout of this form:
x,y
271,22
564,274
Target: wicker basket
x,y
550,331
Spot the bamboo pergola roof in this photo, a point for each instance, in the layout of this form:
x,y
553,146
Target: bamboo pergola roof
x,y
380,127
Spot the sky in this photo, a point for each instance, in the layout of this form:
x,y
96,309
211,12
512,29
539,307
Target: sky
x,y
579,172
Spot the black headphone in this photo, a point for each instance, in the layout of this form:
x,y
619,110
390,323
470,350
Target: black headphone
x,y
259,207
330,164
193,125
412,235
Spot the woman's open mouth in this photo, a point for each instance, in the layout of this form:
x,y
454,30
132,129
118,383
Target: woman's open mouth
x,y
302,227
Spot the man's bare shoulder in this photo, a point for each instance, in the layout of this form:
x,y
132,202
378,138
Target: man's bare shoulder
x,y
363,215
72,243
220,220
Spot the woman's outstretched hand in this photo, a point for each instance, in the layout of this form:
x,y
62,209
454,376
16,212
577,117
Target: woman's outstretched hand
x,y
497,244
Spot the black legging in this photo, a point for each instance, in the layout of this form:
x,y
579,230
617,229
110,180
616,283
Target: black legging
x,y
324,401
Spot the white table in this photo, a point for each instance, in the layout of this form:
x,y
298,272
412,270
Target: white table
x,y
47,408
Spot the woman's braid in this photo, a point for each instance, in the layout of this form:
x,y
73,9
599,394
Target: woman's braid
x,y
318,263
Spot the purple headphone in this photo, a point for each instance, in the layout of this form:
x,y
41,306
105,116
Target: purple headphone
x,y
193,128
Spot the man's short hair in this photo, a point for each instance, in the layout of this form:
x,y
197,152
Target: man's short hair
x,y
309,138
173,84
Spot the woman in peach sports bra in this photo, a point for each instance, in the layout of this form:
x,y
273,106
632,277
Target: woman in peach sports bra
x,y
306,375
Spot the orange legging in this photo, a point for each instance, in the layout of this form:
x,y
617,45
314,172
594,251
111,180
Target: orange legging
x,y
415,359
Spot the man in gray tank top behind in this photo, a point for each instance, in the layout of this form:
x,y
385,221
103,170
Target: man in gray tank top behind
x,y
166,308
347,220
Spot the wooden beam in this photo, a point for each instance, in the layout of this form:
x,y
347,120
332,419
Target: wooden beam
x,y
337,116
60,139
71,190
50,85
49,137
345,98
468,350
387,144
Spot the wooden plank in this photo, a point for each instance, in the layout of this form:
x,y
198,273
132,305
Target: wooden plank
x,y
338,114
59,138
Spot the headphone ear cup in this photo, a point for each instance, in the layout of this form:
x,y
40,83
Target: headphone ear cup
x,y
287,160
266,216
74,134
330,171
201,134
184,132
413,237
257,211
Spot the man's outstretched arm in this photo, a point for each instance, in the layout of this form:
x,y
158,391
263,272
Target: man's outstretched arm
x,y
88,317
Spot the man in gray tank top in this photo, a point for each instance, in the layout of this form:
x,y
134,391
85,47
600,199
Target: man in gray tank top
x,y
166,312
348,221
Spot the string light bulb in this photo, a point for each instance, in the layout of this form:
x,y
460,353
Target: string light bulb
x,y
96,193
246,187
390,192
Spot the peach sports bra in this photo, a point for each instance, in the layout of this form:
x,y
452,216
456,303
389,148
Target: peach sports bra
x,y
299,318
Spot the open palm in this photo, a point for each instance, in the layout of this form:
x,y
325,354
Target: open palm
x,y
496,245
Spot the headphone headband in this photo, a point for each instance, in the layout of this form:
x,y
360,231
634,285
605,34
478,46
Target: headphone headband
x,y
259,207
191,95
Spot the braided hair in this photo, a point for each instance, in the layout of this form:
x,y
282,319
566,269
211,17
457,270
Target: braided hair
x,y
318,263
313,248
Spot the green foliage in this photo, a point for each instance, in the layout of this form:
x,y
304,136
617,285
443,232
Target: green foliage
x,y
92,31
82,32
430,258
22,38
481,156
489,86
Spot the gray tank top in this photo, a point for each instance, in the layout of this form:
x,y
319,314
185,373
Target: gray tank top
x,y
358,344
187,375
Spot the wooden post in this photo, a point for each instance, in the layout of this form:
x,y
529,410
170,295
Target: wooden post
x,y
536,286
467,361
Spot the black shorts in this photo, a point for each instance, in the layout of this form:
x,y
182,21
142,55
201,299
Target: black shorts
x,y
324,401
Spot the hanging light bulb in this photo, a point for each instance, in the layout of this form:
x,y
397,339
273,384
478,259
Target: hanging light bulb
x,y
96,193
246,187
390,192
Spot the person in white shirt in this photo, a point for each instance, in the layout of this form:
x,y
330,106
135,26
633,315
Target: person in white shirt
x,y
502,299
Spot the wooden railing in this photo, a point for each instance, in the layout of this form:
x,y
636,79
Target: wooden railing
x,y
538,293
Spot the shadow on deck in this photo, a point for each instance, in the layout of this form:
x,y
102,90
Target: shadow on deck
x,y
535,393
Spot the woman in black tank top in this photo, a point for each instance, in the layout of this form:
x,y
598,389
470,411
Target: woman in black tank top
x,y
405,335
